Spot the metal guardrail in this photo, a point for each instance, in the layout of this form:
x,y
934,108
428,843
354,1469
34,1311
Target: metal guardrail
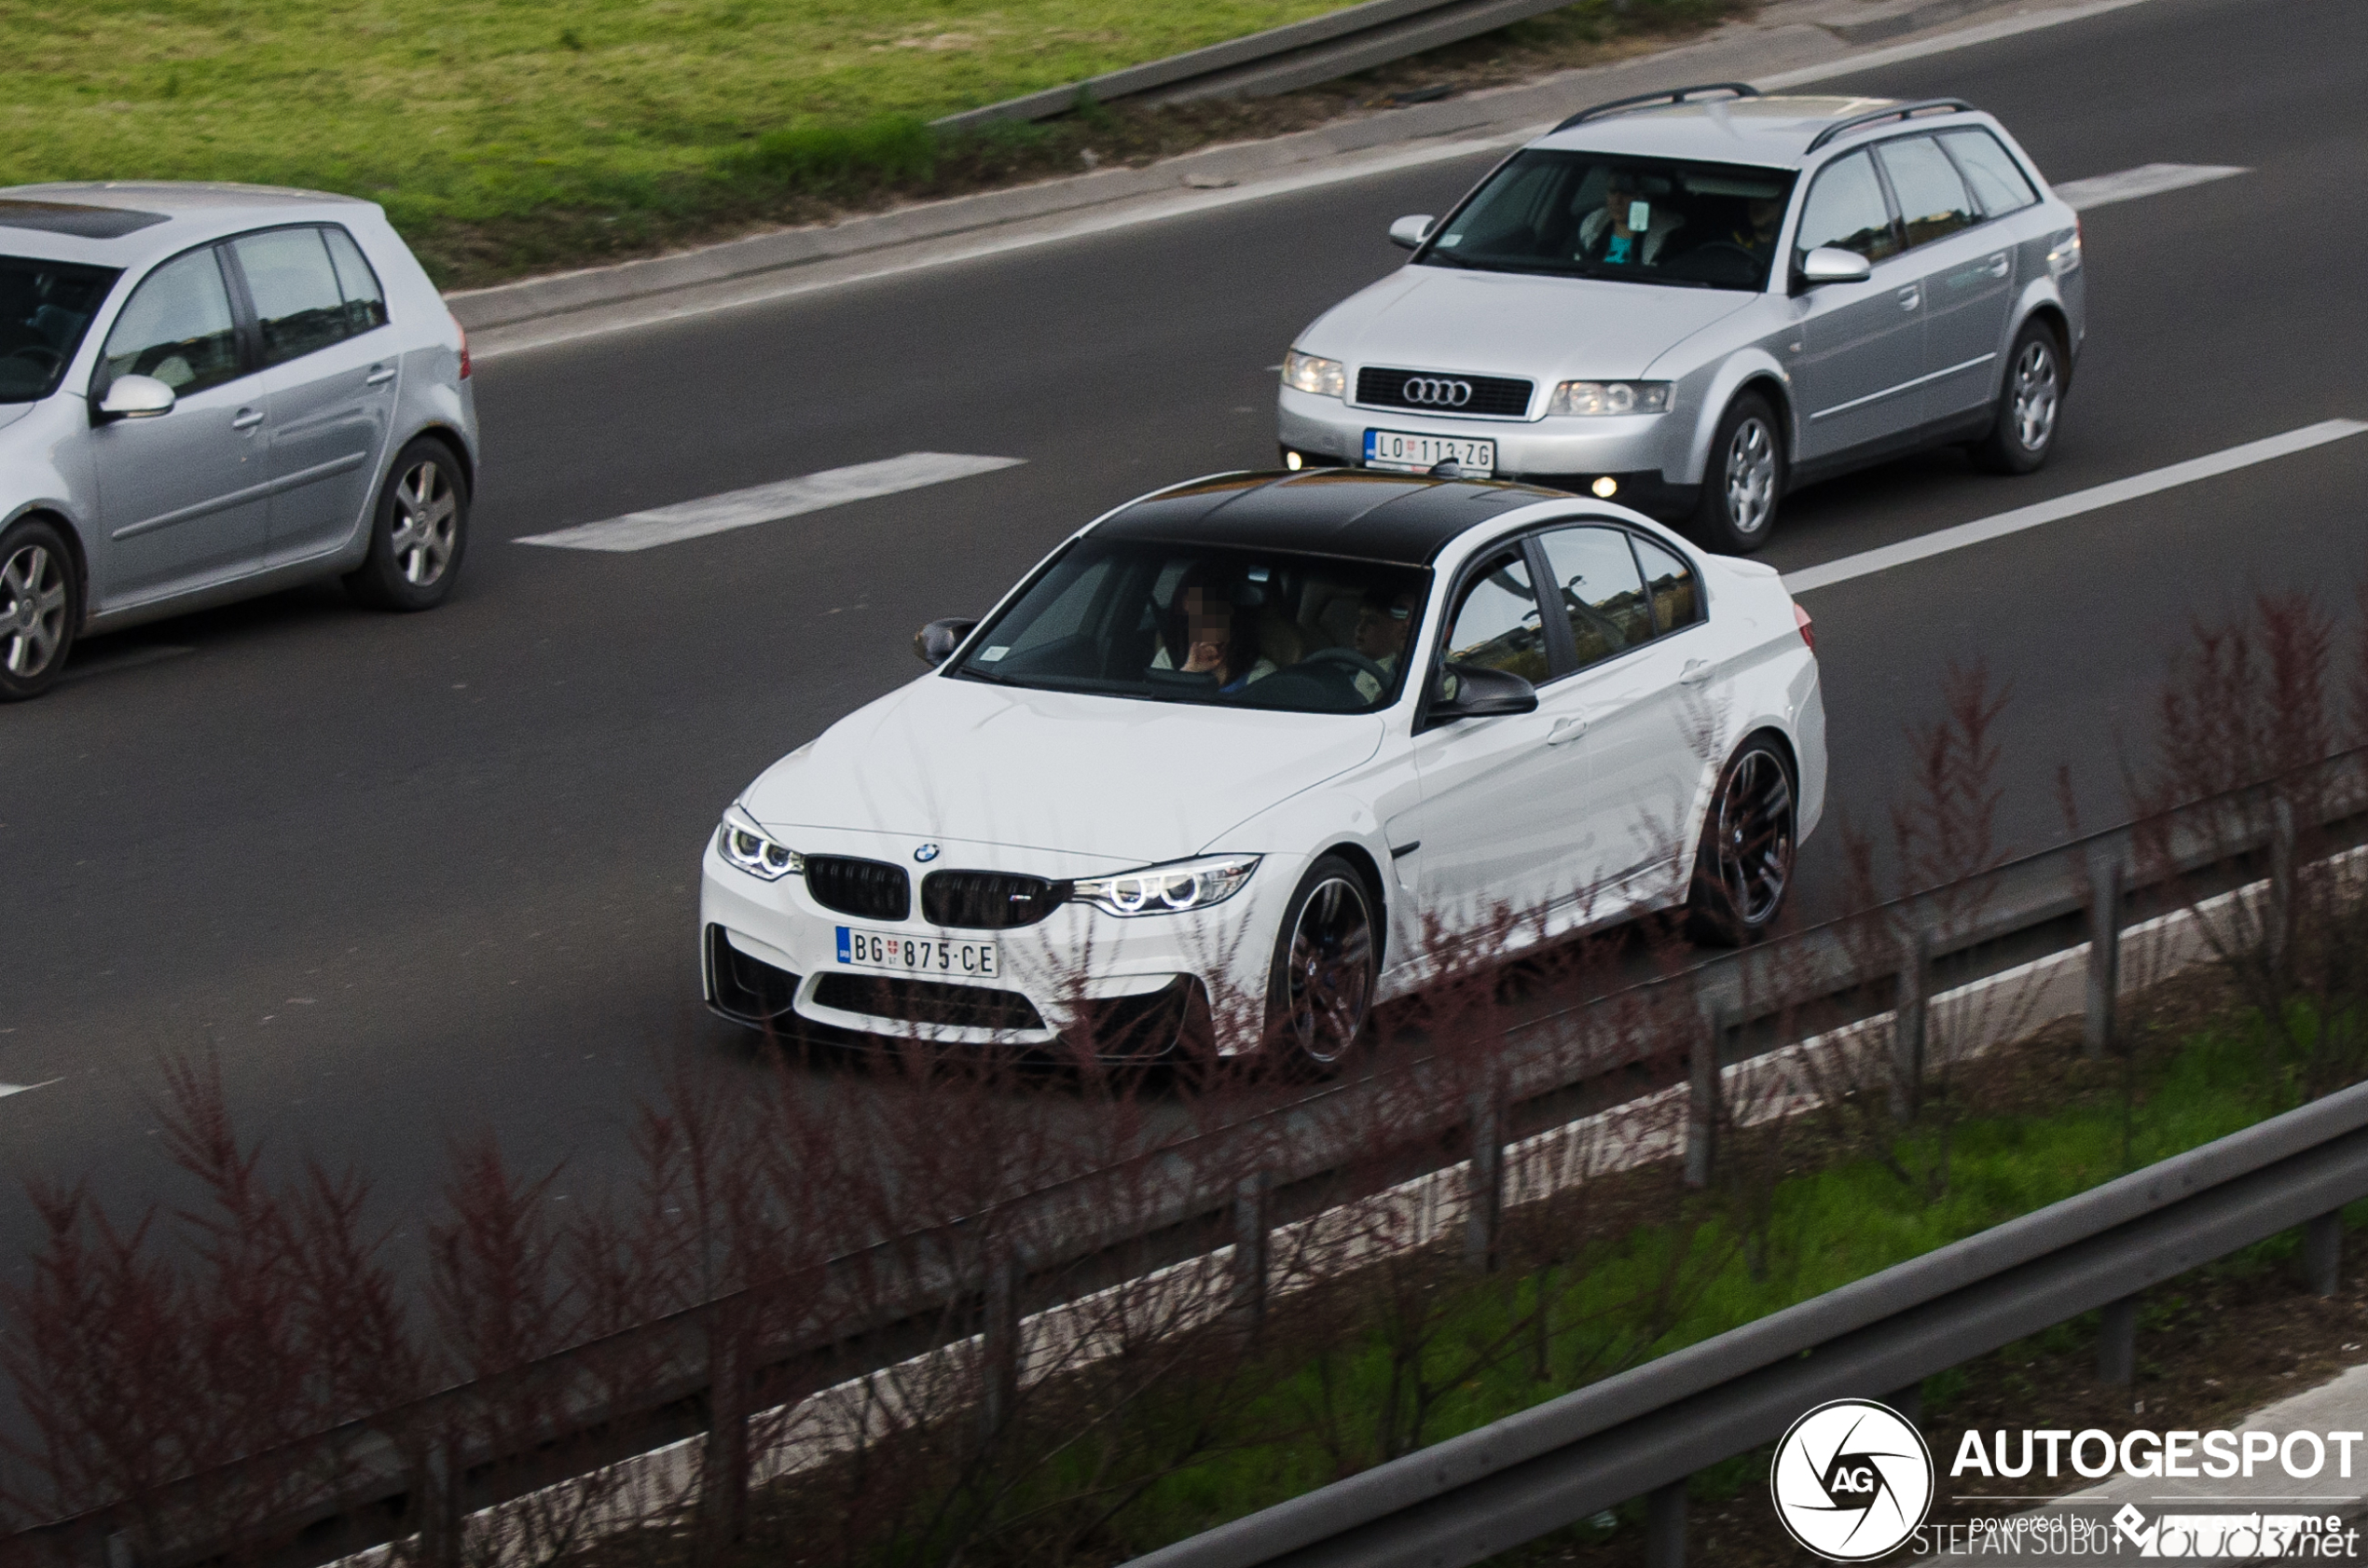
x,y
1281,60
874,1309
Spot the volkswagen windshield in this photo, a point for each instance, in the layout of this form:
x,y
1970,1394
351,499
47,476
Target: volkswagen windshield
x,y
1185,623
1630,219
45,309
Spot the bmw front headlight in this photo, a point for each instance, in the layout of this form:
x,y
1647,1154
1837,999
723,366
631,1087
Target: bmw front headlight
x,y
740,840
1168,889
1307,373
1610,397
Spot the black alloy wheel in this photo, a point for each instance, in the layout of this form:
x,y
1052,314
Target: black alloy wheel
x,y
1744,866
40,608
1321,994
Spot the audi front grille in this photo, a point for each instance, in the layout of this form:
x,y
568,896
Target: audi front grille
x,y
988,901
869,890
1430,391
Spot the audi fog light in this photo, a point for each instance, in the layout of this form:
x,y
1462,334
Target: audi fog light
x,y
1170,889
1610,397
1308,374
740,840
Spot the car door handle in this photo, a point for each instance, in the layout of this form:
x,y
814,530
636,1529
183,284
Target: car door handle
x,y
246,419
1911,297
379,376
1695,673
1566,730
1999,265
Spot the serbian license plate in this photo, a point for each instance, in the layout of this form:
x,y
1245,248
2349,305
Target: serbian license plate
x,y
908,954
1410,453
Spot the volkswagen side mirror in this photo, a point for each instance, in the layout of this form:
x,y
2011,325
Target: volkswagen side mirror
x,y
1408,232
1831,264
1478,691
136,397
935,642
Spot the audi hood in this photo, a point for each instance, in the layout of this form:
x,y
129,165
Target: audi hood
x,y
1120,782
1516,323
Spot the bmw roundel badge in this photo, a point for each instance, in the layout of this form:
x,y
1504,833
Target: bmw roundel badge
x,y
925,854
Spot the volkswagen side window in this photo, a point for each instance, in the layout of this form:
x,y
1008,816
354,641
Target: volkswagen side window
x,y
365,302
1601,591
291,280
1846,209
1933,203
177,327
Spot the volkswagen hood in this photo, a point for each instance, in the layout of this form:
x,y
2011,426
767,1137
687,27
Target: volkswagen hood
x,y
1122,781
1516,323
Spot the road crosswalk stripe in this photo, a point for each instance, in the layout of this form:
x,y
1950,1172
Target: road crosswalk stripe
x,y
768,503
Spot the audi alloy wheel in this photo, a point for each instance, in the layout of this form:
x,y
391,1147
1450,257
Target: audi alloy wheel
x,y
1744,480
2031,404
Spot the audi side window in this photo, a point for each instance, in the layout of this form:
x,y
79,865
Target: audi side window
x,y
176,327
1846,209
1933,203
1601,591
365,302
1997,180
1498,624
298,303
1677,601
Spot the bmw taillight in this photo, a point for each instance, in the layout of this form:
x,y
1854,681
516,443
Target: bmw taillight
x,y
464,347
1808,627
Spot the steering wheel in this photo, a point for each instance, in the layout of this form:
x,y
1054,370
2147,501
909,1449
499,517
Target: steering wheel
x,y
1355,662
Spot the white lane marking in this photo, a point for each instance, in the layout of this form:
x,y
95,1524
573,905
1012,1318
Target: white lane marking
x,y
8,1089
2147,179
768,503
1947,42
1942,542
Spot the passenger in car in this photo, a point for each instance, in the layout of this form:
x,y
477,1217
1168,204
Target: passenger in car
x,y
1628,230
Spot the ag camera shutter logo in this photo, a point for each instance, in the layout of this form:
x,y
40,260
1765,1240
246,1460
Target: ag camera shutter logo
x,y
1852,1480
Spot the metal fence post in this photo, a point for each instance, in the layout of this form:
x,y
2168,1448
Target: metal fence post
x,y
2278,923
119,1552
999,1342
2104,954
439,1501
723,1483
2323,1253
1253,1244
1701,1098
1484,1175
2117,1343
1665,1526
1911,1017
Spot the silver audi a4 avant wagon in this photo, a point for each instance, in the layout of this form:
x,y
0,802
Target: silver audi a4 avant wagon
x,y
214,391
1697,301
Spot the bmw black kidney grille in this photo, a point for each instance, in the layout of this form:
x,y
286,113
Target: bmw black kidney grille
x,y
1434,392
988,901
872,889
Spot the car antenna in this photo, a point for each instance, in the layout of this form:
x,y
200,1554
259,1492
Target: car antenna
x,y
1450,469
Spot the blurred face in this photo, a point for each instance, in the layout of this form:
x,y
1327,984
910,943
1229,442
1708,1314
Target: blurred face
x,y
1764,214
1208,629
1615,203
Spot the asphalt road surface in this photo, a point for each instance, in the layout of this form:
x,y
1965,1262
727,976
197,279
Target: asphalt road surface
x,y
411,876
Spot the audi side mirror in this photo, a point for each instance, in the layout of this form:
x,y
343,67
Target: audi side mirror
x,y
1831,264
1410,231
136,397
935,642
1478,691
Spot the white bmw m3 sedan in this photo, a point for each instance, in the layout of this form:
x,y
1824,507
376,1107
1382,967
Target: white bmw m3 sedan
x,y
1228,763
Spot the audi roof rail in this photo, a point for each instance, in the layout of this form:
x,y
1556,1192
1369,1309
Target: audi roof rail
x,y
1897,111
1675,95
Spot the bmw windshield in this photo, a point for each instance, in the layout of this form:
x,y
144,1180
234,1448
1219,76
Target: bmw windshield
x,y
1630,219
1187,623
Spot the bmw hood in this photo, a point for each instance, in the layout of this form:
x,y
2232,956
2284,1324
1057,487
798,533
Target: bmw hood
x,y
1122,781
11,412
1516,323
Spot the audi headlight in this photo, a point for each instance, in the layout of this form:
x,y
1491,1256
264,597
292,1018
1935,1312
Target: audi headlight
x,y
740,840
1168,889
1610,397
1308,374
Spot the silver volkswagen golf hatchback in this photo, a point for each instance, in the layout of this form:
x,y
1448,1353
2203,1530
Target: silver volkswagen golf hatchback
x,y
1698,300
214,391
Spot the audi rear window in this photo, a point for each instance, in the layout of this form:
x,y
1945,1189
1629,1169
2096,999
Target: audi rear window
x,y
45,309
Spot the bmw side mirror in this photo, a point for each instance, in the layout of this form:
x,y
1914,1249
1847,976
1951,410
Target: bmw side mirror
x,y
1478,691
1831,264
136,397
1408,232
935,642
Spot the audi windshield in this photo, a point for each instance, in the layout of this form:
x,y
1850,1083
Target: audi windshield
x,y
1630,219
1185,623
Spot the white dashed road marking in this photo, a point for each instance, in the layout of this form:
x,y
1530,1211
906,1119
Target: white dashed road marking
x,y
2073,506
2147,179
8,1089
766,504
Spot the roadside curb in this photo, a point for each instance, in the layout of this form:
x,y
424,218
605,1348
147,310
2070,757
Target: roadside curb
x,y
1784,48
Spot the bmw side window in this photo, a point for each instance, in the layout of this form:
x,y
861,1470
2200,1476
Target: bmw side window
x,y
1677,601
177,327
1846,209
365,302
1998,181
1498,622
1932,204
1601,591
298,307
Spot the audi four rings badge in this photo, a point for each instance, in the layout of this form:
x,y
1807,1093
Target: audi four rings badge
x,y
1436,391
